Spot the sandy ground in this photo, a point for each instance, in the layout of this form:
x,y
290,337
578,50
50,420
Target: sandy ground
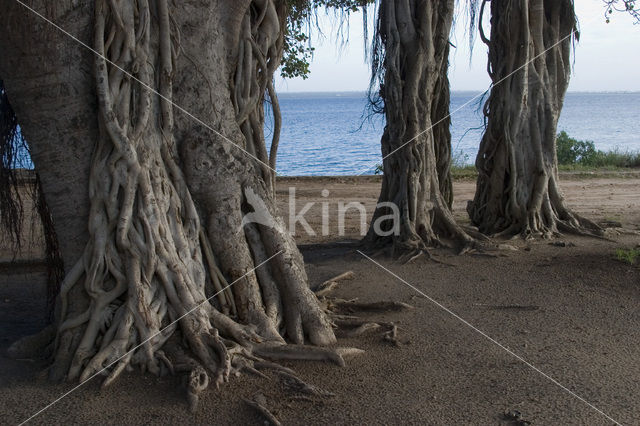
x,y
571,312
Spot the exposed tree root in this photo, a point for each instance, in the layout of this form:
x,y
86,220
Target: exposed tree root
x,y
329,285
326,288
349,275
268,365
232,358
412,255
295,384
351,306
259,403
361,329
197,381
352,326
298,353
392,336
349,352
356,327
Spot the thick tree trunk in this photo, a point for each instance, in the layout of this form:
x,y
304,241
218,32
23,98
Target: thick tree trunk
x,y
162,196
441,119
529,63
414,210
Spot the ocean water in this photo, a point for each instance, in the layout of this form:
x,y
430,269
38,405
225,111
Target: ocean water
x,y
328,133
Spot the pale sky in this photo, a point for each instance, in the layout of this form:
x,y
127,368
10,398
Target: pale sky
x,y
606,59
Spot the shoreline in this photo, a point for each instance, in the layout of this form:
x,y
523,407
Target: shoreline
x,y
465,174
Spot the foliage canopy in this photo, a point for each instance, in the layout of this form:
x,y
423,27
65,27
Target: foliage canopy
x,y
302,18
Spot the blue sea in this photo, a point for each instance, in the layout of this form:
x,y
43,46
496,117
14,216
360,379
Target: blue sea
x,y
328,133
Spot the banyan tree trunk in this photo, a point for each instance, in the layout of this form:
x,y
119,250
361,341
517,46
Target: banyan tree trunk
x,y
412,51
151,151
441,119
530,64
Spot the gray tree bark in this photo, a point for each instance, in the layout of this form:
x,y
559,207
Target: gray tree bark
x,y
530,64
148,197
411,62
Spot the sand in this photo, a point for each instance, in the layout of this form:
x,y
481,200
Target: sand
x,y
571,312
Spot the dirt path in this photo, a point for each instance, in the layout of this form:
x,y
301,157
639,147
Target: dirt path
x,y
572,312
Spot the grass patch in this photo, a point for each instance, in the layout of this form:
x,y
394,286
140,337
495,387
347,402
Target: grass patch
x,y
577,157
464,172
586,169
460,167
628,256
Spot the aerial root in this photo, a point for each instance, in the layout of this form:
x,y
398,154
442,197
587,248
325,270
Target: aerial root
x,y
224,294
259,403
304,398
224,359
117,370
